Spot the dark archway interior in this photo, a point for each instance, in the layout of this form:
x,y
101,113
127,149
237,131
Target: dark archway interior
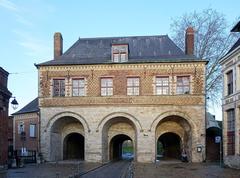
x,y
171,145
74,146
212,148
116,146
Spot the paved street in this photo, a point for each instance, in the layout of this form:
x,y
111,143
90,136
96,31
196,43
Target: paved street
x,y
183,170
114,170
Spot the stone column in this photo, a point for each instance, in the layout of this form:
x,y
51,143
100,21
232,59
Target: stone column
x,y
146,146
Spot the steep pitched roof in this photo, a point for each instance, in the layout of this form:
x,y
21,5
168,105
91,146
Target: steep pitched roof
x,y
236,28
141,49
29,108
234,46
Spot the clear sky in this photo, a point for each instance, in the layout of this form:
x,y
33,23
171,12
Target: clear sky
x,y
27,28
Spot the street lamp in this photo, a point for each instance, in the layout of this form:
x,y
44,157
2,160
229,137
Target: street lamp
x,y
14,103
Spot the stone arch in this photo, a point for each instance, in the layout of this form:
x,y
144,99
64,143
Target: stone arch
x,y
58,127
178,123
171,113
133,119
57,116
117,124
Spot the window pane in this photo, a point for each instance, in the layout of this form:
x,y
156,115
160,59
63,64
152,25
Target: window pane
x,y
115,57
32,130
123,57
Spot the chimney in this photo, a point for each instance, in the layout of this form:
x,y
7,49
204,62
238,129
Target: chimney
x,y
189,41
58,45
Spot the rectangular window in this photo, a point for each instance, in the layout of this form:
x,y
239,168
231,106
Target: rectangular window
x,y
106,87
115,57
133,86
183,85
162,85
32,130
78,87
229,82
20,127
58,87
231,132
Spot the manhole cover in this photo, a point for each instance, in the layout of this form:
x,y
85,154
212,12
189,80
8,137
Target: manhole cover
x,y
19,172
193,169
179,167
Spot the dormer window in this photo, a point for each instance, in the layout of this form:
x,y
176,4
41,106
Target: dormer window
x,y
119,53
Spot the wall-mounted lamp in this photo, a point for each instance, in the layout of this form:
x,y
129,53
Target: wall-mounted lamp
x,y
14,103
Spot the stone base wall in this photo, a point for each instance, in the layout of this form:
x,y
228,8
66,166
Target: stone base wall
x,y
141,123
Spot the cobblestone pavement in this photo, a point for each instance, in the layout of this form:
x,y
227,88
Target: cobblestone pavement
x,y
113,170
183,170
51,170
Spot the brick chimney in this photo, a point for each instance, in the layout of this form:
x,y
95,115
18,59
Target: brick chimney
x,y
189,41
58,45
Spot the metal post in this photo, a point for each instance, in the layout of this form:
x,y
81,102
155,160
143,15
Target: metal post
x,y
220,152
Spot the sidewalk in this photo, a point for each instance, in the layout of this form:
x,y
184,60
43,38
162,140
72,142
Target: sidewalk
x,y
51,170
183,170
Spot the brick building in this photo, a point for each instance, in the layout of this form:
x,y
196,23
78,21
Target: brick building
x,y
26,128
104,91
231,104
4,101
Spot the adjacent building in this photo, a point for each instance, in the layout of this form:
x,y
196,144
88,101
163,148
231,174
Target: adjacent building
x,y
5,95
104,91
231,104
26,129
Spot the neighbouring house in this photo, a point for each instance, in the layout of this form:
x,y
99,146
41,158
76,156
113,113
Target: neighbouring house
x,y
104,91
5,95
231,103
26,131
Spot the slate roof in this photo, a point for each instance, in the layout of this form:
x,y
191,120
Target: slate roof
x,y
141,49
29,108
236,28
234,46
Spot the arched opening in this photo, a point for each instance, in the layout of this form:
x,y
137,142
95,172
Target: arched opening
x,y
73,146
115,131
173,136
119,150
212,147
169,146
66,136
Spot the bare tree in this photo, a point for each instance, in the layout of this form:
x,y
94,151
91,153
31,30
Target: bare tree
x,y
212,40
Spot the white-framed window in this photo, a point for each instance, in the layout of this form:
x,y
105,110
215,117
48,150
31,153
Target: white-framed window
x,y
78,87
183,84
133,86
231,132
162,85
230,82
20,127
106,86
58,87
119,52
32,130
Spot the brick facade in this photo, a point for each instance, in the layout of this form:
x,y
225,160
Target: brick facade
x,y
143,118
4,101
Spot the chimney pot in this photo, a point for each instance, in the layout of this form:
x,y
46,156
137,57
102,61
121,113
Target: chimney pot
x,y
58,45
189,41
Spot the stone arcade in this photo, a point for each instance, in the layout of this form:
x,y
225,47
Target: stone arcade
x,y
103,91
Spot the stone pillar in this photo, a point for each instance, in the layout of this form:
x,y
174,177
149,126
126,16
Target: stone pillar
x,y
93,146
146,146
